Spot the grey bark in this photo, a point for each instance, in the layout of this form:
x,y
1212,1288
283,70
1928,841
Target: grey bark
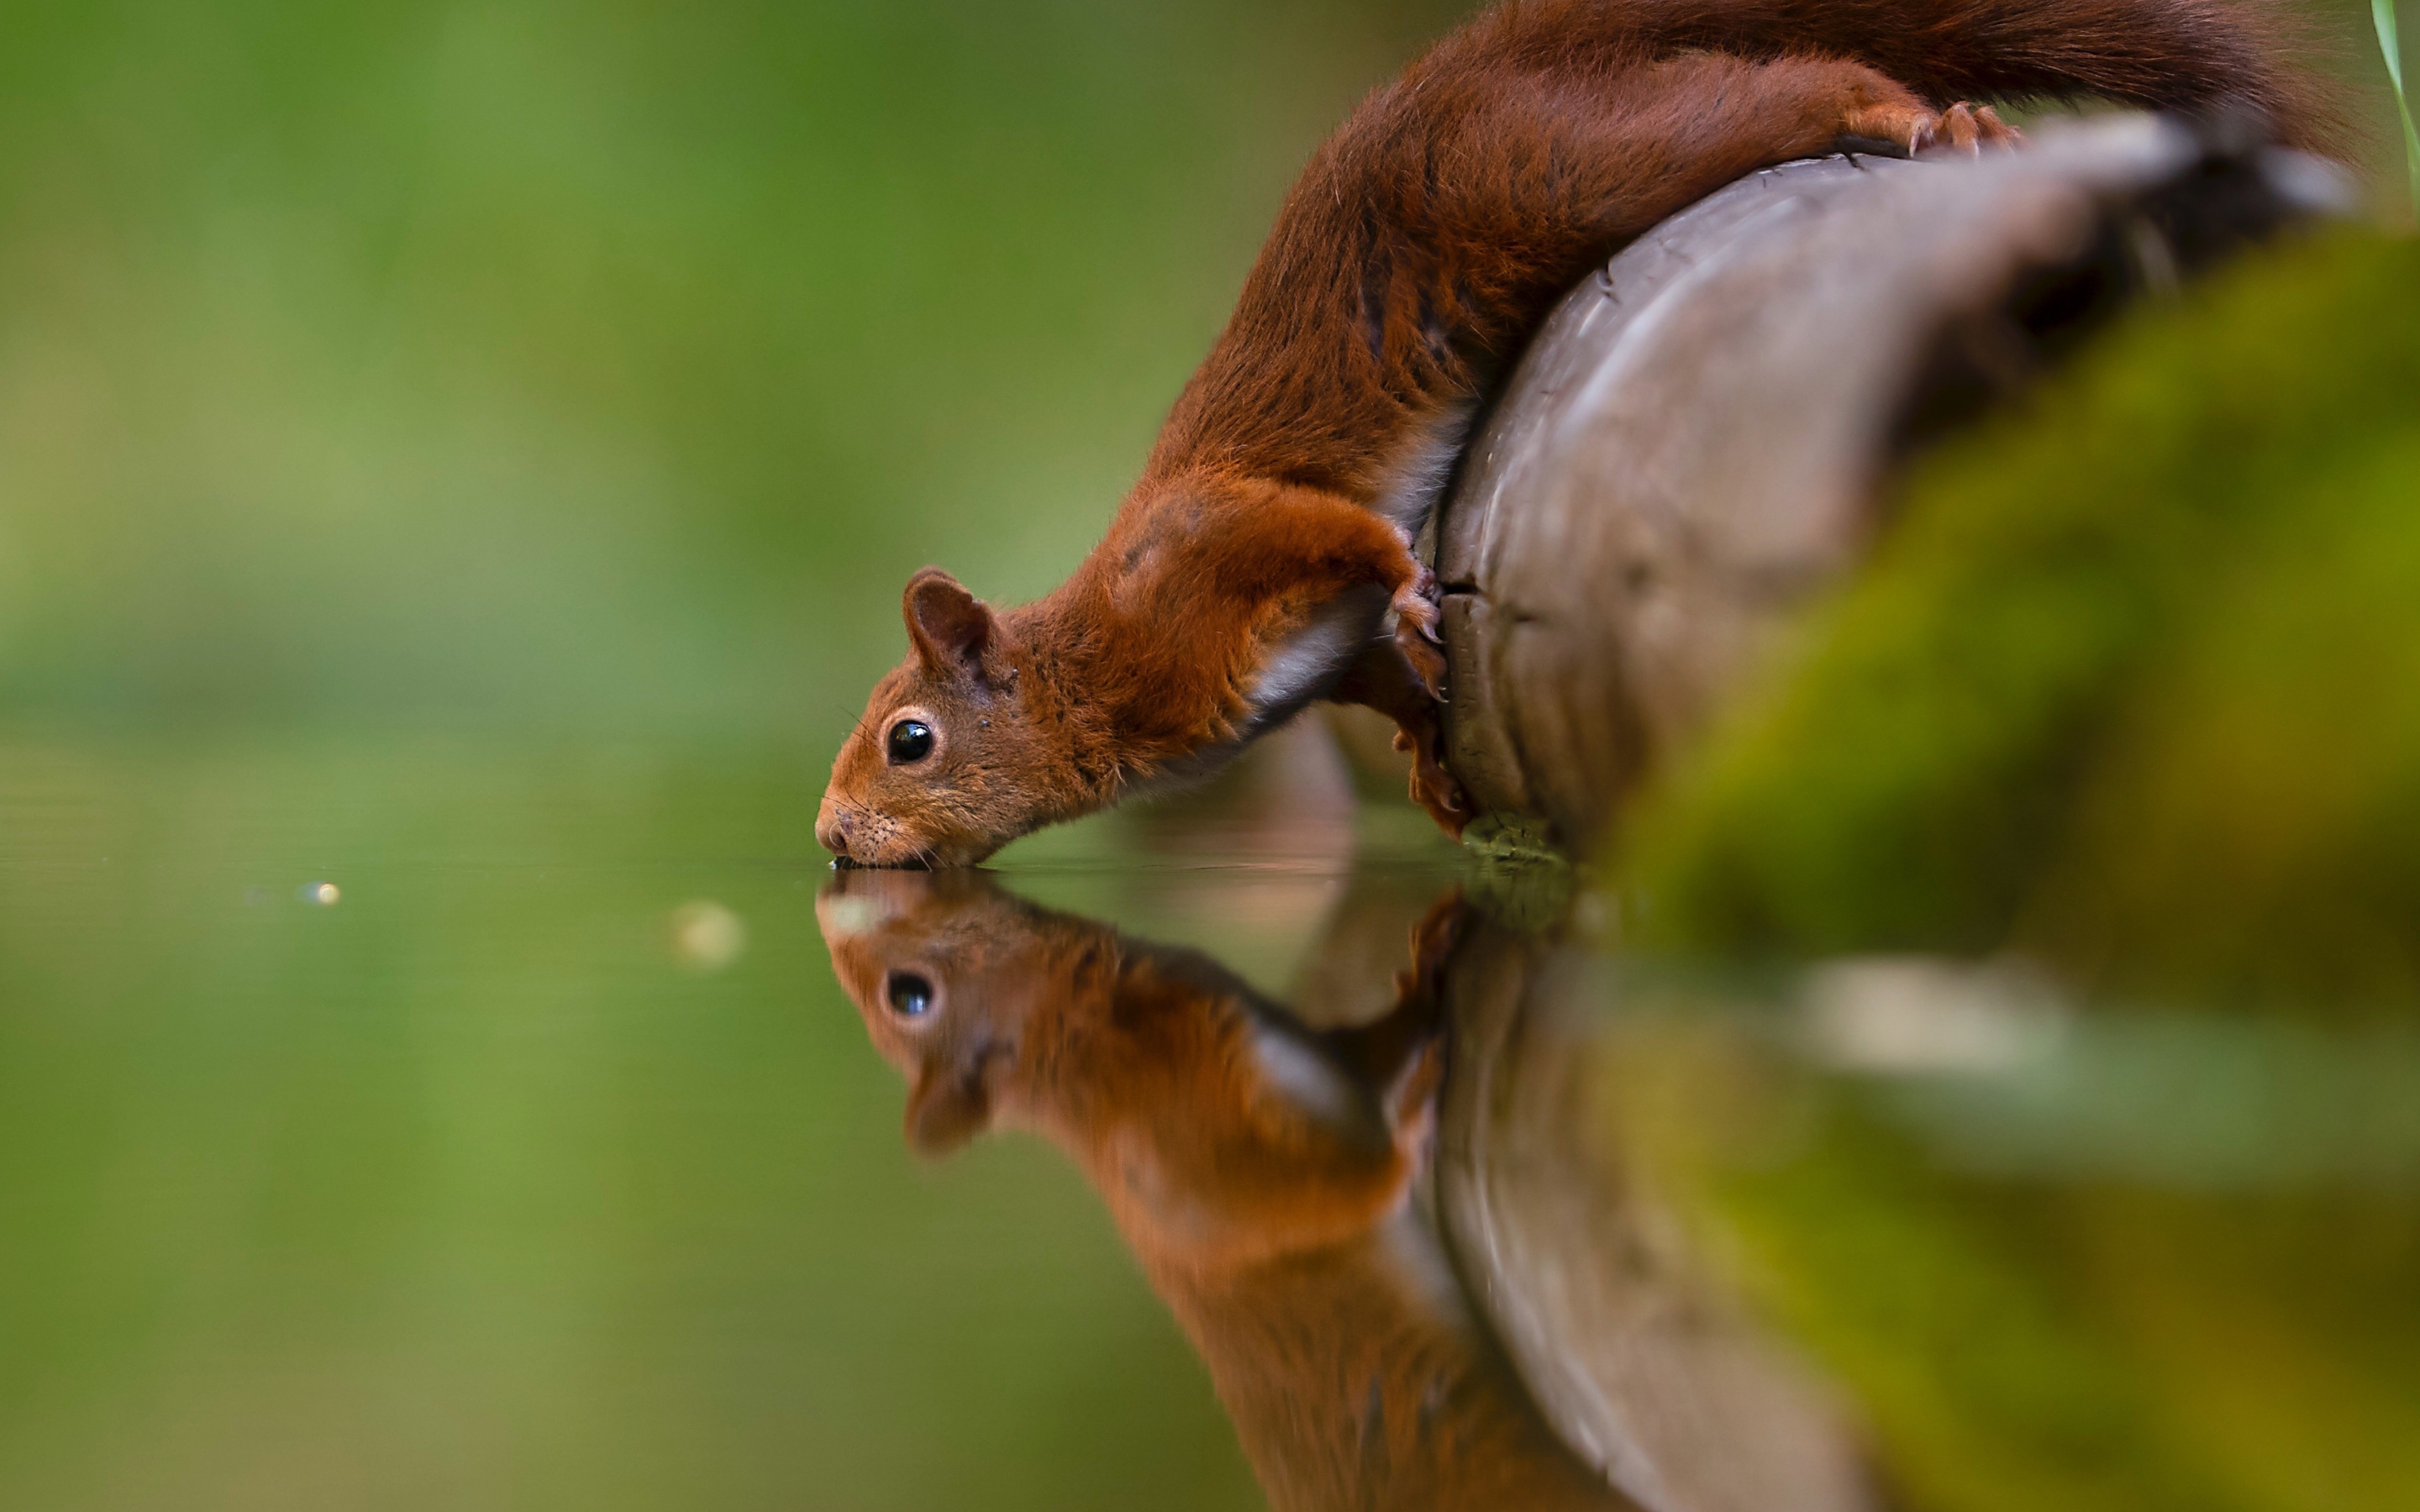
x,y
1701,437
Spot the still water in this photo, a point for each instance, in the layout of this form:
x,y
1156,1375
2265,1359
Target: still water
x,y
442,1127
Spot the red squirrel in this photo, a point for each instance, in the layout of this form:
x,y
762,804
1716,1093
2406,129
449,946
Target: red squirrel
x,y
1264,561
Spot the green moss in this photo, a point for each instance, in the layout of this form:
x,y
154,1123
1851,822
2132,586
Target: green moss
x,y
1955,1321
2133,682
2019,1344
2070,1325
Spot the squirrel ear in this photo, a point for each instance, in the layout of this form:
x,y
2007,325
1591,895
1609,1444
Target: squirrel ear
x,y
953,631
945,1110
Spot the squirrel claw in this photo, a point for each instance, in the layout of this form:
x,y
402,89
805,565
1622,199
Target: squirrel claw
x,y
1416,631
1440,796
1904,128
1969,128
1426,662
1433,787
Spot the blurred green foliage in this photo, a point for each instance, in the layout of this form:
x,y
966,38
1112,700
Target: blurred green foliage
x,y
2132,683
2059,1329
597,366
2390,47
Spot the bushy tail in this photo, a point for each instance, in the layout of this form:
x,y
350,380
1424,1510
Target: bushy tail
x,y
1432,232
2192,55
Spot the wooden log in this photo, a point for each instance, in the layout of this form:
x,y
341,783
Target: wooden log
x,y
1701,437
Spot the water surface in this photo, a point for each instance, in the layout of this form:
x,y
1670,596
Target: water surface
x,y
458,1126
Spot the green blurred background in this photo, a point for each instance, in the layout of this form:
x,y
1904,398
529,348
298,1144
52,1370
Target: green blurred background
x,y
608,366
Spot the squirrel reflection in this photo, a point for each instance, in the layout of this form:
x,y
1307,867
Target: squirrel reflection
x,y
1264,1174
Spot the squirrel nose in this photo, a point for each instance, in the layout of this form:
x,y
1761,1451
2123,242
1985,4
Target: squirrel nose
x,y
831,831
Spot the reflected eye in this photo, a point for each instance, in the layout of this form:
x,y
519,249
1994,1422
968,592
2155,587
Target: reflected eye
x,y
910,996
911,740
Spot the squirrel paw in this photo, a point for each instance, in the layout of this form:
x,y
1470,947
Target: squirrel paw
x,y
1421,990
1433,941
1433,787
1416,631
1969,128
1905,130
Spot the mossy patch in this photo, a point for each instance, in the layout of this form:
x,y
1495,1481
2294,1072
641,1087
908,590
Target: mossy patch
x,y
2133,681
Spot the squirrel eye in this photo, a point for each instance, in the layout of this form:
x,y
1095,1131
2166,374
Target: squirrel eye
x,y
910,996
911,740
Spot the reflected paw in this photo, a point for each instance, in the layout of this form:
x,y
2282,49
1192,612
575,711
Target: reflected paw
x,y
1436,935
1421,990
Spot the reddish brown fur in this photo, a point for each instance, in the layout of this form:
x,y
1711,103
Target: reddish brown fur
x,y
1283,1238
1135,1059
1422,245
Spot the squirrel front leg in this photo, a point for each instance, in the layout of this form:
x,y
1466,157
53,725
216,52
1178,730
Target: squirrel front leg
x,y
1308,546
1348,545
1402,677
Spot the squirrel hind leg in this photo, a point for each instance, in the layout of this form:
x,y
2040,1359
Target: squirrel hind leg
x,y
1908,128
1968,127
1384,678
1433,788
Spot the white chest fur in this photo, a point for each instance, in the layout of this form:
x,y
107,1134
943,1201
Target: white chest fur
x,y
1307,663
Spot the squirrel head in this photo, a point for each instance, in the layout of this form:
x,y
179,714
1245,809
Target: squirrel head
x,y
949,762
